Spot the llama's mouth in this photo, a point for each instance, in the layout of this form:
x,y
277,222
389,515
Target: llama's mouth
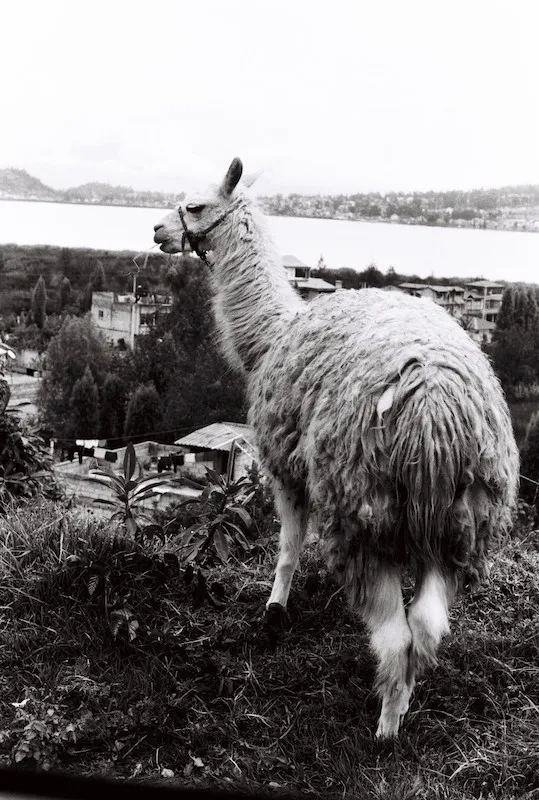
x,y
166,245
170,247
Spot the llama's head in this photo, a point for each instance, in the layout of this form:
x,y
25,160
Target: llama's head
x,y
198,219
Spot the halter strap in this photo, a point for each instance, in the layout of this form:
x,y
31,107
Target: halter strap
x,y
195,238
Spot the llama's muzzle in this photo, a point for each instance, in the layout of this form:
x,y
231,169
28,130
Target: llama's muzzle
x,y
163,240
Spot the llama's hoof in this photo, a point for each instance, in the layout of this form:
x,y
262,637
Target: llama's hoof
x,y
392,714
277,617
388,727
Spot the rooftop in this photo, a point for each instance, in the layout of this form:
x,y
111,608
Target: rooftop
x,y
150,299
317,284
218,436
434,286
292,261
487,284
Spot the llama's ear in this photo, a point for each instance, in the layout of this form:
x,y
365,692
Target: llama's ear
x,y
232,178
248,180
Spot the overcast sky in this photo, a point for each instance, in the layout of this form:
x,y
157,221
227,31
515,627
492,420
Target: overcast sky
x,y
323,95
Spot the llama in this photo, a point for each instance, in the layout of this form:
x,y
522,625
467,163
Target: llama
x,y
377,416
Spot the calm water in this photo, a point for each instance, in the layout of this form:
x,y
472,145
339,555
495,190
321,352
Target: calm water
x,y
416,250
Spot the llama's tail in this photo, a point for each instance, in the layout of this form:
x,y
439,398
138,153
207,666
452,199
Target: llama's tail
x,y
446,460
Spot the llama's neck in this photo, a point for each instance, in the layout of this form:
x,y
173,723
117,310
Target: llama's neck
x,y
253,298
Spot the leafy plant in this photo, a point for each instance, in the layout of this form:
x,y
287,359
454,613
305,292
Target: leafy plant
x,y
40,732
25,465
220,518
130,493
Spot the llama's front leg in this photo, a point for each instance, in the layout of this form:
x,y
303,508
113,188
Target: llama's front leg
x,y
294,516
390,639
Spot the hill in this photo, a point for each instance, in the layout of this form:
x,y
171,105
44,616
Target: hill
x,y
18,184
505,208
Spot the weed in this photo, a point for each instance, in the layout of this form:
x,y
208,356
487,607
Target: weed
x,y
130,493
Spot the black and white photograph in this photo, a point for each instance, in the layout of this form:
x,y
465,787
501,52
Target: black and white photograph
x,y
269,399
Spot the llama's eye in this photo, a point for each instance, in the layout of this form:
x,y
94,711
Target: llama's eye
x,y
194,208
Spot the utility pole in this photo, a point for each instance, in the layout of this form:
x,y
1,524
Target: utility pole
x,y
132,318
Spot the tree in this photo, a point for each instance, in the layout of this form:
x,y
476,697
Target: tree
x,y
65,260
201,388
99,279
391,277
531,316
520,308
85,299
113,402
191,317
372,276
65,294
39,303
143,417
204,390
155,359
77,344
515,358
506,315
83,420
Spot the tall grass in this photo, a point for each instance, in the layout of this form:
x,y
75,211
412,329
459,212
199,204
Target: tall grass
x,y
208,694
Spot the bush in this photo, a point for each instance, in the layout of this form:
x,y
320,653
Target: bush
x,y
25,465
530,462
230,517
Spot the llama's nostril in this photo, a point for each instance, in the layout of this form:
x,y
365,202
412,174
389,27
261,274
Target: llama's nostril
x,y
157,227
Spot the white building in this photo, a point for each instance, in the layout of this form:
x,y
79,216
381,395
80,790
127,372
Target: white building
x,y
299,275
124,316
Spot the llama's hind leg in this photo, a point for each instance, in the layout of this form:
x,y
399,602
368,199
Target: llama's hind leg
x,y
382,609
428,618
294,517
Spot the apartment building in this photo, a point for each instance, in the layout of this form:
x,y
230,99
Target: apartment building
x,y
123,317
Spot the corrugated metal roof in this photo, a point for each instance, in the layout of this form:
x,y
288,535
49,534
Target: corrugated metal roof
x,y
293,261
316,284
218,436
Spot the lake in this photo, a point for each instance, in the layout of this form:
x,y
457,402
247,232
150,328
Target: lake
x,y
410,249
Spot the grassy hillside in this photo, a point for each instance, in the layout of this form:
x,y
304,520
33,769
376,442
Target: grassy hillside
x,y
205,693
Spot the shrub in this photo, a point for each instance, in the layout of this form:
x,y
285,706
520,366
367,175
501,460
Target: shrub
x,y
228,518
529,488
25,465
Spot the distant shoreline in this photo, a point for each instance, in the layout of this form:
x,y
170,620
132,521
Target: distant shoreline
x,y
81,203
287,216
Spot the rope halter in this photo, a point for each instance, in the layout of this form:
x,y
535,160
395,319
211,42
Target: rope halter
x,y
194,239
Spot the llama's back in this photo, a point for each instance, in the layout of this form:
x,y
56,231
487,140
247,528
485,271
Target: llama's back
x,y
382,407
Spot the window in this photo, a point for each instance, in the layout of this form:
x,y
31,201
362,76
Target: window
x,y
101,314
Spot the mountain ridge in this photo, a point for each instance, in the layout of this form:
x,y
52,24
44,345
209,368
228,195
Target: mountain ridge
x,y
504,208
